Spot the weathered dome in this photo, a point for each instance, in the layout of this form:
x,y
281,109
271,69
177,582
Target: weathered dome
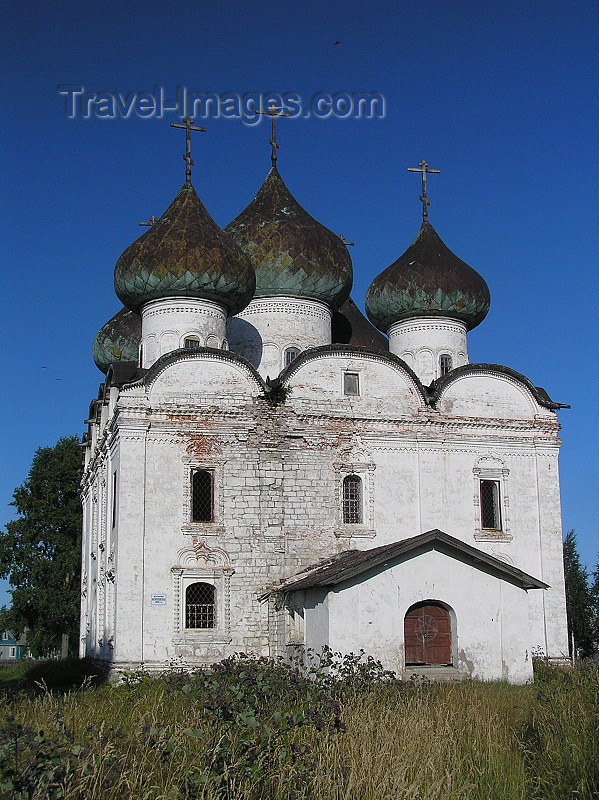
x,y
428,280
292,253
118,340
184,254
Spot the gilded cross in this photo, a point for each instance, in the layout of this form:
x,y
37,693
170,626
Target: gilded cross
x,y
188,127
274,111
423,168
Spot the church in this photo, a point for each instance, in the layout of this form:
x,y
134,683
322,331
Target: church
x,y
267,471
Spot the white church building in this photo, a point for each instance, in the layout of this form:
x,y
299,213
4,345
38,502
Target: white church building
x,y
266,471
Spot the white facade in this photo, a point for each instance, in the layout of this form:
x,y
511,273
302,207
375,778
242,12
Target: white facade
x,y
278,505
431,346
270,332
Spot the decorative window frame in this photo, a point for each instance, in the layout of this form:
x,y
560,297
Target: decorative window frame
x,y
491,468
216,468
201,563
359,464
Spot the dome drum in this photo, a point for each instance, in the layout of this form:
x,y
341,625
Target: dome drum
x,y
178,322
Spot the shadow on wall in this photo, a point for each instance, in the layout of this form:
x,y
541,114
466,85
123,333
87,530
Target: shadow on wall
x,y
244,340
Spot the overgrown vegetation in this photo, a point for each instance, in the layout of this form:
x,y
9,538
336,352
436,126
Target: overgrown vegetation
x,y
251,729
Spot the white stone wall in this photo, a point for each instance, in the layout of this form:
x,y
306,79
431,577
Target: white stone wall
x,y
269,326
421,343
489,616
278,475
165,324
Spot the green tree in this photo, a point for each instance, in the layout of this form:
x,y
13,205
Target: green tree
x,y
40,551
579,600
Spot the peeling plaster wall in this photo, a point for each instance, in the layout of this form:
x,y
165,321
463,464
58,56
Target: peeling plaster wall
x,y
278,476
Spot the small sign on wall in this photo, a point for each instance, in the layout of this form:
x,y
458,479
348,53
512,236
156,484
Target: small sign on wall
x,y
158,599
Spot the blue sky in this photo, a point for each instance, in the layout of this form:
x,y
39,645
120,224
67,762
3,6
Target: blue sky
x,y
501,97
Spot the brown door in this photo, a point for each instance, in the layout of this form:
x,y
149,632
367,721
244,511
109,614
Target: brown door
x,y
427,634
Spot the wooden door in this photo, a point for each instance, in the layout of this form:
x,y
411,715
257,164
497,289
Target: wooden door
x,y
427,634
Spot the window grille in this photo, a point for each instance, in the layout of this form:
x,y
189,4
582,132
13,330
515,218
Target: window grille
x,y
290,355
352,500
351,384
201,496
490,513
445,364
200,606
191,344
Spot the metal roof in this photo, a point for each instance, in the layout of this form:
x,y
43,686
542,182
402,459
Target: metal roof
x,y
344,566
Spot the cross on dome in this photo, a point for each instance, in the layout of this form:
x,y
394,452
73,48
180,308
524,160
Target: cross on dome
x,y
188,127
423,168
274,111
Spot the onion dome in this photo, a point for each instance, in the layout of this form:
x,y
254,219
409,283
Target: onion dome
x,y
292,253
118,340
428,280
184,254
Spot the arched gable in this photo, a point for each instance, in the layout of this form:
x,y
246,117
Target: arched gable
x,y
490,391
202,375
352,379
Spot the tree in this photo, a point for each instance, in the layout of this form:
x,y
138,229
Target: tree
x,y
579,600
40,552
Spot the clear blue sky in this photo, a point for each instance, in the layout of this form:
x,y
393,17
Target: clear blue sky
x,y
502,97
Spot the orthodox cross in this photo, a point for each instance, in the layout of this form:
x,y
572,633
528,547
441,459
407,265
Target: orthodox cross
x,y
153,220
345,242
273,111
189,127
423,168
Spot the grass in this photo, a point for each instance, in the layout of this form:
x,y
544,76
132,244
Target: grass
x,y
252,730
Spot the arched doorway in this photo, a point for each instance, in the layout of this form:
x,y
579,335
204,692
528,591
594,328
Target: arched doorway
x,y
427,634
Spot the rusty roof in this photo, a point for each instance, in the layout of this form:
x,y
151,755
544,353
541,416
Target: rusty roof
x,y
185,254
118,340
292,253
344,566
350,326
428,280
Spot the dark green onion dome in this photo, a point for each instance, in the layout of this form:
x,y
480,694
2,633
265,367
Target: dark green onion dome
x,y
118,340
428,280
292,253
185,254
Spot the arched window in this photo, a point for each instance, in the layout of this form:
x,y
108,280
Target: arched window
x,y
445,364
352,500
191,343
290,355
200,606
202,507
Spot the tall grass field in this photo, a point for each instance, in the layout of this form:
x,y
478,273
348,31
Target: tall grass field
x,y
251,729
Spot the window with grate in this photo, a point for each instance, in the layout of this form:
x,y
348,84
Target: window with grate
x,y
351,384
445,364
490,512
352,500
191,343
290,355
201,496
200,606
